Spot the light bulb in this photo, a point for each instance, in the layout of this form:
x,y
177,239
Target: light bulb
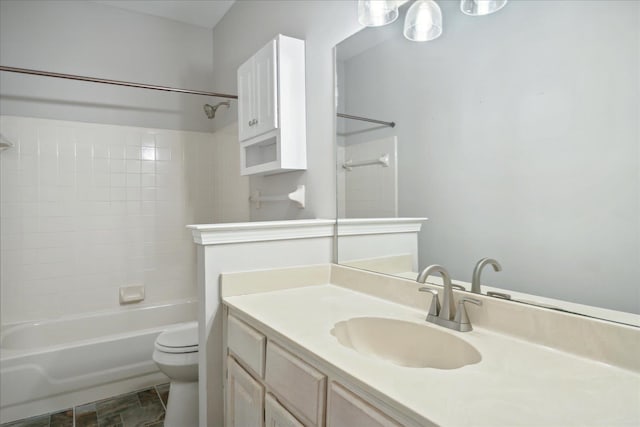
x,y
423,21
481,7
375,13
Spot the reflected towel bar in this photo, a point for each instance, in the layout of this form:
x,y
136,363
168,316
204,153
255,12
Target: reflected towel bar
x,y
5,143
365,119
297,196
382,160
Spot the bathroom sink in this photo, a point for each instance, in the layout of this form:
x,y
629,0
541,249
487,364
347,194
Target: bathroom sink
x,y
405,343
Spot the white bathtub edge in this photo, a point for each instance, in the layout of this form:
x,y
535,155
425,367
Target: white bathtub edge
x,y
80,397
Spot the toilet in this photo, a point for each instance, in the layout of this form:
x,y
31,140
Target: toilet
x,y
176,354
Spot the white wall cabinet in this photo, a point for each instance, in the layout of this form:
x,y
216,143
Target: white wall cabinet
x,y
271,108
292,391
257,93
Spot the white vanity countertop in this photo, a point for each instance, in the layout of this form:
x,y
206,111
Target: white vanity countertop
x,y
515,383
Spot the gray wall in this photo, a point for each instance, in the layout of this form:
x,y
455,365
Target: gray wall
x,y
518,137
247,27
86,38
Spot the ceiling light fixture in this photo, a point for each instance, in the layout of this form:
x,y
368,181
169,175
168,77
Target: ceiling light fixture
x,y
423,21
375,13
481,7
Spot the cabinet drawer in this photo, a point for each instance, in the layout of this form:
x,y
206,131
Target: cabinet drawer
x,y
301,387
276,415
345,409
246,343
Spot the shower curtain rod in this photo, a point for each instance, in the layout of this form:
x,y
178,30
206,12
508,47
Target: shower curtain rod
x,y
364,119
114,82
155,87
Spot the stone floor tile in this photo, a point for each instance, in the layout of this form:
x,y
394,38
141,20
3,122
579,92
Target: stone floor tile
x,y
149,397
116,405
89,407
39,421
141,417
163,391
87,419
113,420
62,419
86,415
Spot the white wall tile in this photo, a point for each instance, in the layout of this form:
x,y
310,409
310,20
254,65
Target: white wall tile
x,y
87,208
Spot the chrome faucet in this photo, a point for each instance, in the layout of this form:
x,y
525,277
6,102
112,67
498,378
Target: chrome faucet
x,y
477,271
448,309
445,314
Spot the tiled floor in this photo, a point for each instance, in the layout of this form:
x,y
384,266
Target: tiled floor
x,y
141,408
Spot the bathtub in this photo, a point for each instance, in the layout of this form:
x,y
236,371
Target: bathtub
x,y
56,364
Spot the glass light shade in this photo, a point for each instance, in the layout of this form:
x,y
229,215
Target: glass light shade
x,y
423,21
481,7
375,13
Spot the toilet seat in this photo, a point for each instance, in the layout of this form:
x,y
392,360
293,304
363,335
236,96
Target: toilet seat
x,y
179,339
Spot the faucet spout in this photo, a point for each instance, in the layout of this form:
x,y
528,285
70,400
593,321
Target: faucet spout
x,y
447,309
477,272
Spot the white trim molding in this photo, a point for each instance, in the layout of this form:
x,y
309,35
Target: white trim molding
x,y
364,226
243,232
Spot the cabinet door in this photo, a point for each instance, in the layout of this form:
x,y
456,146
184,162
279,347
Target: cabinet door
x,y
345,409
276,415
245,398
246,100
266,88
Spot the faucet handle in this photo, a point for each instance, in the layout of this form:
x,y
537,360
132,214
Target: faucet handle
x,y
434,308
461,316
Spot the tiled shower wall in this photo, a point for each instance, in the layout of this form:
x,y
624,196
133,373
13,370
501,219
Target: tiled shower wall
x,y
87,208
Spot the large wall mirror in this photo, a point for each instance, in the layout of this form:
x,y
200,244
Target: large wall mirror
x,y
516,134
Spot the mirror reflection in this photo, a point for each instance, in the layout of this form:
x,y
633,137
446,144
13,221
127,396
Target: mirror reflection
x,y
517,135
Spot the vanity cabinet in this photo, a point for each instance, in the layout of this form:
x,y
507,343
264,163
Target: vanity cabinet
x,y
245,397
246,344
297,383
276,415
273,386
271,108
346,409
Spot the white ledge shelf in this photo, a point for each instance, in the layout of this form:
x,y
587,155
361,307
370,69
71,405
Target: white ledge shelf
x,y
364,226
259,231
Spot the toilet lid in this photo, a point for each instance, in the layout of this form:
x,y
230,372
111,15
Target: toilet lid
x,y
183,338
